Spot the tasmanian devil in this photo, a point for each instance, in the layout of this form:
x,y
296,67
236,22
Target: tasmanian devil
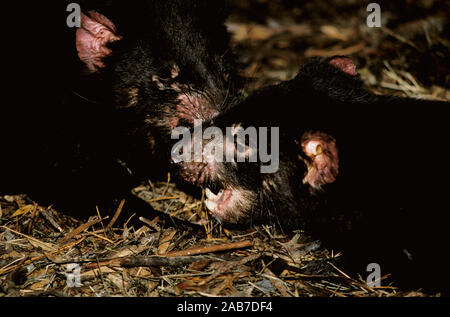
x,y
364,173
97,102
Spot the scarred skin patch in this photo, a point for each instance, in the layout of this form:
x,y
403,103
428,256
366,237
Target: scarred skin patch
x,y
192,107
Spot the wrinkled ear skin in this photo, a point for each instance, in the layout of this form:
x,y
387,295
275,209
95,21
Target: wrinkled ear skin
x,y
92,39
322,160
345,64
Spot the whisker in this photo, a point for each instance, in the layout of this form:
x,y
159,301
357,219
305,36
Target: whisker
x,y
191,112
226,95
84,98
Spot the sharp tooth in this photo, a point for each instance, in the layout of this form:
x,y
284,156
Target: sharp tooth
x,y
210,194
211,205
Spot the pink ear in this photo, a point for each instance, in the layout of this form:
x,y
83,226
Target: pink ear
x,y
323,163
345,64
92,37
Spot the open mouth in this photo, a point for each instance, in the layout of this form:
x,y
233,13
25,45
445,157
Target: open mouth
x,y
219,204
219,200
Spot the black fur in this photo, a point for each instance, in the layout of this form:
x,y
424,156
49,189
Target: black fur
x,y
69,140
389,198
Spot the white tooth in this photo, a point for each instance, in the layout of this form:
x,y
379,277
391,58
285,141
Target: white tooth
x,y
210,194
211,205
